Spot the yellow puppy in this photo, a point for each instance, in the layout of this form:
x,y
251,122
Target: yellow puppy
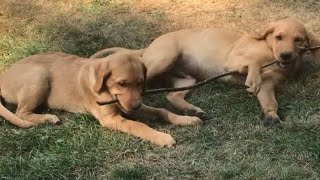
x,y
187,56
74,84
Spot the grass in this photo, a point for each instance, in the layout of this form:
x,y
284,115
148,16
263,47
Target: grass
x,y
231,144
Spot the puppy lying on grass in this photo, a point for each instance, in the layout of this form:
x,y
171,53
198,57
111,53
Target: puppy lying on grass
x,y
182,58
74,84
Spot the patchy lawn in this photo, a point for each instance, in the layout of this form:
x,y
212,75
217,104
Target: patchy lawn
x,y
231,144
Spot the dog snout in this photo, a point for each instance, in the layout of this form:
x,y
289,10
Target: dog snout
x,y
287,55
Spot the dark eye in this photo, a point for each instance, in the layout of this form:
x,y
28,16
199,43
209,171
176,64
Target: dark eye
x,y
298,39
279,37
122,83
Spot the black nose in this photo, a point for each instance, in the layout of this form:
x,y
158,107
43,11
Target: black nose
x,y
286,55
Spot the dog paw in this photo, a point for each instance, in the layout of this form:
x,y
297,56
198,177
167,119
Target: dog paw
x,y
189,121
195,111
253,90
164,140
52,119
193,120
253,84
271,121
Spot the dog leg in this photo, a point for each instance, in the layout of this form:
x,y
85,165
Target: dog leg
x,y
159,57
252,70
37,118
177,98
138,129
170,117
32,94
254,79
268,102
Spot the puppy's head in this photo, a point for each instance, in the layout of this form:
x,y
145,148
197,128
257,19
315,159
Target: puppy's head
x,y
123,76
287,38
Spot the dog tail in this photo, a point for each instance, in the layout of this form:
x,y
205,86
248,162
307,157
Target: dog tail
x,y
15,120
103,52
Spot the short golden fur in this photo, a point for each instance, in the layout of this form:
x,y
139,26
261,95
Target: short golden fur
x,y
74,84
188,56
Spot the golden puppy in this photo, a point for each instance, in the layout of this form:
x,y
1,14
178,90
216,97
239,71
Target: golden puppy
x,y
188,56
71,83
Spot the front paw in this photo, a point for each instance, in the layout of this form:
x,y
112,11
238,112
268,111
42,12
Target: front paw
x,y
164,140
195,111
52,119
187,121
271,121
254,84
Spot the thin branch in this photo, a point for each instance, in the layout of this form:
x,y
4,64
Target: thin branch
x,y
201,83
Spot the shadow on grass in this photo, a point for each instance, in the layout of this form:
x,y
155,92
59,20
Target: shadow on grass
x,y
100,25
86,37
135,172
82,30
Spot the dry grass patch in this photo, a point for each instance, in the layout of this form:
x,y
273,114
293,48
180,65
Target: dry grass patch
x,y
238,15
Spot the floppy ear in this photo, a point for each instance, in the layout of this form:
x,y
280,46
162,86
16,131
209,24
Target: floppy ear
x,y
101,73
264,32
314,41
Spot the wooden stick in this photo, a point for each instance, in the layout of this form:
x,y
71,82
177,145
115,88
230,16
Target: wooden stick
x,y
313,48
201,83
